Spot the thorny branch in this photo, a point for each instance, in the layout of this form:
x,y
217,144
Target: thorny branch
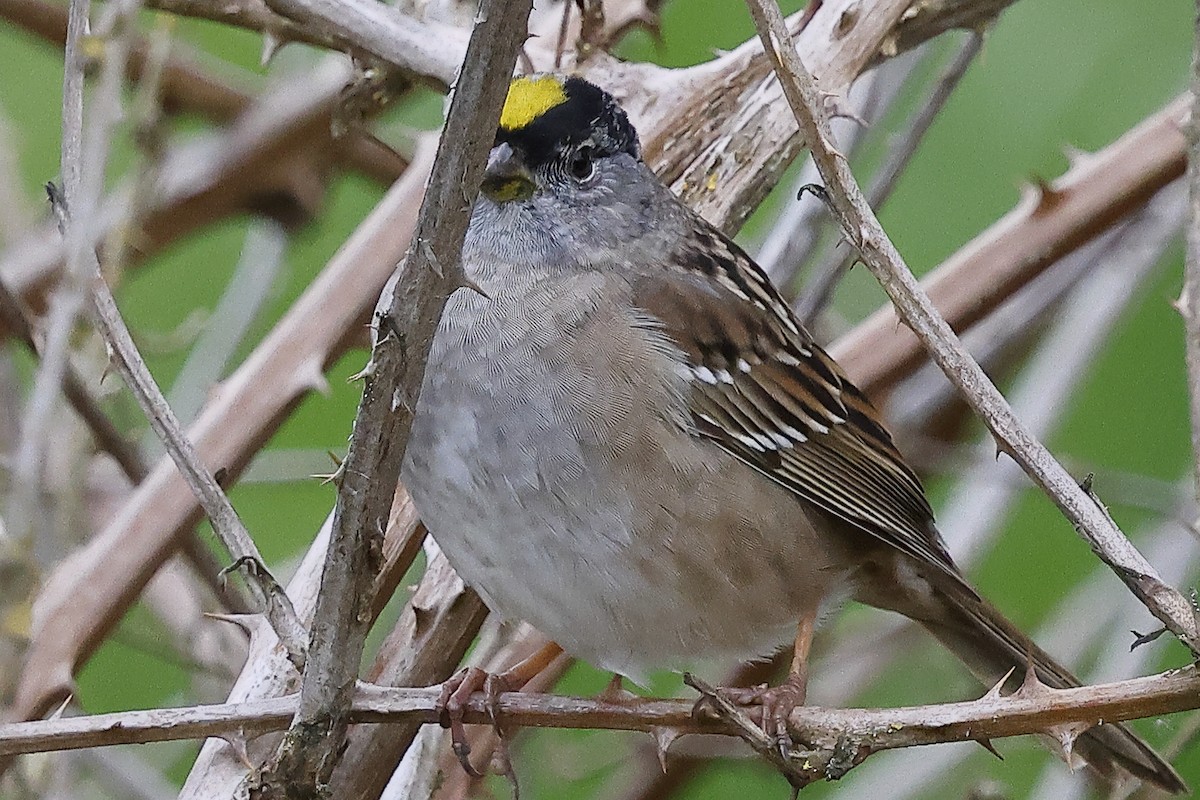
x,y
422,48
225,521
408,316
881,257
1189,299
1050,221
1033,708
818,290
84,167
67,299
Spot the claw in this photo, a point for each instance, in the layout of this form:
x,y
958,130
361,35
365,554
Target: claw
x,y
456,694
452,704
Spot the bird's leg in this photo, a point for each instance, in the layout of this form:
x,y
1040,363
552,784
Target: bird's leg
x,y
457,691
778,701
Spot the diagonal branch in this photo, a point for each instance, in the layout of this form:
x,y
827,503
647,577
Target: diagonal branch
x,y
1051,221
225,521
881,257
818,291
14,320
399,39
407,317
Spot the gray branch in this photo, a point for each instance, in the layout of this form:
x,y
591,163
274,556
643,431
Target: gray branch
x,y
827,274
1032,709
862,228
1189,298
225,521
407,320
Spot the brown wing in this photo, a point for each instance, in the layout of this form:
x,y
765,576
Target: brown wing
x,y
766,393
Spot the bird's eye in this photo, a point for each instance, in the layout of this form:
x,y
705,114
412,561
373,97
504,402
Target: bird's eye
x,y
582,166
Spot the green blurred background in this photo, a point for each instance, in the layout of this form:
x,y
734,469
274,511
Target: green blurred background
x,y
1069,73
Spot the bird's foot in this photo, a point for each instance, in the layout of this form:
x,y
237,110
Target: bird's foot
x,y
456,694
452,706
776,704
768,736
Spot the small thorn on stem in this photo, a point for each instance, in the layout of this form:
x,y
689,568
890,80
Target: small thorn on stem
x,y
986,744
62,707
1032,685
1145,638
1048,197
271,45
664,737
994,693
238,744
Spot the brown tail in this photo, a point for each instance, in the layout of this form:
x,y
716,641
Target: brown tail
x,y
991,646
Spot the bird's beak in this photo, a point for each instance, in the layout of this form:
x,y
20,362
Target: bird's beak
x,y
506,178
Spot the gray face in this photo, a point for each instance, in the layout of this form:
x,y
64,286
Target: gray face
x,y
573,209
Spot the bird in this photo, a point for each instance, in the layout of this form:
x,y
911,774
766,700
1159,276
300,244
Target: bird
x,y
625,437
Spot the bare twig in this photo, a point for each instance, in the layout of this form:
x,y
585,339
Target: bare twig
x,y
1109,635
1083,615
916,401
1189,299
407,320
1030,710
225,521
263,252
1127,260
67,300
935,17
427,49
825,277
506,649
272,160
427,644
795,233
1050,221
222,766
981,501
881,257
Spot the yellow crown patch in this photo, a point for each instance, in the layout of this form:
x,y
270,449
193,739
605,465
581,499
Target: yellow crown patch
x,y
528,99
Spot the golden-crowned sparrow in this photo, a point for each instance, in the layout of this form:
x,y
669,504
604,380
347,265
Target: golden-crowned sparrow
x,y
627,439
